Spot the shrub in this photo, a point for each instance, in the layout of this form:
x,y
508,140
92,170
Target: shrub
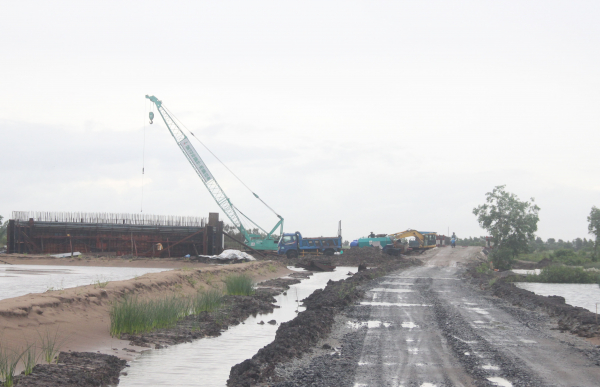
x,y
502,258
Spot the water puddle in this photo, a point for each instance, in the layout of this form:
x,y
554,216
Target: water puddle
x,y
582,295
374,303
489,367
409,325
40,278
527,272
389,290
210,360
479,311
500,381
369,324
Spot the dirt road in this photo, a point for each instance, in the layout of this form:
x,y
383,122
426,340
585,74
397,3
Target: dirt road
x,y
426,326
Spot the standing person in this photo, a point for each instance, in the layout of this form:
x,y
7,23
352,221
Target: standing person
x,y
453,242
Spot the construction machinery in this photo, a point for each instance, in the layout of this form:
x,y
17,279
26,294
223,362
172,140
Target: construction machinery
x,y
264,241
423,239
393,243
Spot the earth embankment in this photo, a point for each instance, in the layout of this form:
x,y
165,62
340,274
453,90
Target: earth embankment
x,y
80,316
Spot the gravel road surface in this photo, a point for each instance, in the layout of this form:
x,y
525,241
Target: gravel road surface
x,y
426,326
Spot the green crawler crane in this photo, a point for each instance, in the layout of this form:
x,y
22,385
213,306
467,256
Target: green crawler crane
x,y
256,241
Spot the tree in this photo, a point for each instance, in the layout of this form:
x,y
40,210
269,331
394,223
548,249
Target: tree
x,y
594,229
511,223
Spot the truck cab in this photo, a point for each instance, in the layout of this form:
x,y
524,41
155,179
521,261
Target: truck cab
x,y
293,244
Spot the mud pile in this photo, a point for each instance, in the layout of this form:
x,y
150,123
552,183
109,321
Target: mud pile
x,y
297,336
75,369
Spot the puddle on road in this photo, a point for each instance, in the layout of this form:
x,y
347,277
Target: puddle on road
x,y
19,280
390,290
369,324
479,311
490,367
409,325
209,360
500,381
582,295
374,303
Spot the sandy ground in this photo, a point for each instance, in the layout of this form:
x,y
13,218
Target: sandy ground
x,y
80,316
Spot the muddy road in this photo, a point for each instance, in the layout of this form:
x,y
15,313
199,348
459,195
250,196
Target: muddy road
x,y
427,326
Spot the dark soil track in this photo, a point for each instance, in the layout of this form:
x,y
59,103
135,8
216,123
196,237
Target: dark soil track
x,y
75,369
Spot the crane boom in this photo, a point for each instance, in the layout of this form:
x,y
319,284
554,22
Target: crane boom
x,y
257,241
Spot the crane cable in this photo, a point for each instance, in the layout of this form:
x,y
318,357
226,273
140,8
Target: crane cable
x,y
222,163
143,158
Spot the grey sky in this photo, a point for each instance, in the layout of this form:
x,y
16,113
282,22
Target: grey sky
x,y
386,115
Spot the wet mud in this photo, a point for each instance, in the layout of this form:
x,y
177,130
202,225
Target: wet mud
x,y
299,335
75,369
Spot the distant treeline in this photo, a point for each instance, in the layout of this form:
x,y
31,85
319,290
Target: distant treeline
x,y
538,245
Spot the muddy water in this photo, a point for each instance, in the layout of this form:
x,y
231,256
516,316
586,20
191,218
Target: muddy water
x,y
207,362
18,280
582,295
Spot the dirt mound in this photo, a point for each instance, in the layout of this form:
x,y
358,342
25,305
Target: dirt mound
x,y
75,369
370,256
298,335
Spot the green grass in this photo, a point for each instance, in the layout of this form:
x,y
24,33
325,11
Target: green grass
x,y
8,364
535,257
565,275
239,285
133,315
207,301
50,345
30,358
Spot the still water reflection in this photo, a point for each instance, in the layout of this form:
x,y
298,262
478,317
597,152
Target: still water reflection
x,y
18,280
582,295
207,362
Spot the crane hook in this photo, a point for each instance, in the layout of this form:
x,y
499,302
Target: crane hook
x,y
151,115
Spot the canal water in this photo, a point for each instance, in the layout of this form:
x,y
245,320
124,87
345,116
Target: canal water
x,y
207,362
582,295
18,280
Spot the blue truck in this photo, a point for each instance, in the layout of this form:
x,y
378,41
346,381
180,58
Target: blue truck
x,y
294,245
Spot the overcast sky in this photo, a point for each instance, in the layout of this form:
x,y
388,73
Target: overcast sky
x,y
386,115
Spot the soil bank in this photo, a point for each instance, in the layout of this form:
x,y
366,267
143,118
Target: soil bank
x,y
80,316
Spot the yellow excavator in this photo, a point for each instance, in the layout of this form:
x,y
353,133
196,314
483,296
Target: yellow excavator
x,y
423,239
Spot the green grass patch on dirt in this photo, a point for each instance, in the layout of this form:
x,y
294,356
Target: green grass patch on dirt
x,y
133,315
239,285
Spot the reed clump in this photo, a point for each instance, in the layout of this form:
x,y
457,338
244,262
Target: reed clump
x,y
239,285
134,315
